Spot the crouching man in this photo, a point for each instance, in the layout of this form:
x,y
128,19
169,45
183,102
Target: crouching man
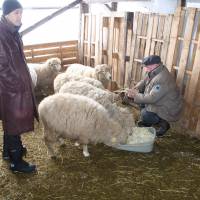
x,y
157,93
17,104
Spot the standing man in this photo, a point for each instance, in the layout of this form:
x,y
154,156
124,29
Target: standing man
x,y
17,103
161,99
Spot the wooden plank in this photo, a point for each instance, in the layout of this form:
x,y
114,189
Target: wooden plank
x,y
82,34
89,39
122,50
154,33
166,36
110,42
186,44
137,47
49,45
128,53
136,70
173,39
100,56
97,47
160,34
143,43
149,34
37,52
132,52
195,77
115,48
70,61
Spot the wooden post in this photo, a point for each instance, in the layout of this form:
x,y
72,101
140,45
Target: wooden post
x,y
114,6
173,39
186,45
84,8
181,3
193,85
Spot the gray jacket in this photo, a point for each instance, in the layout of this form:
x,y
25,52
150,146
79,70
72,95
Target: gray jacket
x,y
160,94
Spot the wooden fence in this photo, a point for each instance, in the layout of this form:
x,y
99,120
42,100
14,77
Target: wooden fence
x,y
122,40
67,51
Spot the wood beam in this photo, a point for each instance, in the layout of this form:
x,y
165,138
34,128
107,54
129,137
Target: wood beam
x,y
114,6
46,19
84,8
181,3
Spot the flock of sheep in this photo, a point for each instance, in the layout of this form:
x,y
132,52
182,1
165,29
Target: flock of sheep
x,y
80,108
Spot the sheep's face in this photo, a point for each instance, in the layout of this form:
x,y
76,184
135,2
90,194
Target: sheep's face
x,y
103,72
127,119
54,64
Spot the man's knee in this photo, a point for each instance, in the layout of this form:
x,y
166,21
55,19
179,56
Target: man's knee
x,y
149,117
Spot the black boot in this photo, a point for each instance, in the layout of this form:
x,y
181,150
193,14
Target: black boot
x,y
18,164
143,124
5,153
163,127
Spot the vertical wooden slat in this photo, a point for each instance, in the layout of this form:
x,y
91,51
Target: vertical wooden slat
x,y
149,38
149,35
89,39
186,44
137,47
166,35
128,48
154,33
97,43
173,39
100,39
143,42
132,51
195,77
110,42
122,50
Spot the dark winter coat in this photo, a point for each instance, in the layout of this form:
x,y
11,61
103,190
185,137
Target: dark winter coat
x,y
17,103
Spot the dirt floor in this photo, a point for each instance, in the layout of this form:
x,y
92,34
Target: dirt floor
x,y
171,171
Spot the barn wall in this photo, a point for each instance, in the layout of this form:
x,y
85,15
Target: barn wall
x,y
122,40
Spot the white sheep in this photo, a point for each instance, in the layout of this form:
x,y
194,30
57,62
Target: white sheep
x,y
66,77
80,118
99,72
47,72
32,74
106,98
102,96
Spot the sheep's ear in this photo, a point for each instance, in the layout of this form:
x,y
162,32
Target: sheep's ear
x,y
113,140
98,68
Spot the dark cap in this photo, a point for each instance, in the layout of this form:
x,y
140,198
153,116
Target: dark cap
x,y
150,60
9,6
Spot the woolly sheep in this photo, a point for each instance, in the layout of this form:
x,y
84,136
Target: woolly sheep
x,y
80,118
65,77
32,74
99,72
86,89
123,115
47,72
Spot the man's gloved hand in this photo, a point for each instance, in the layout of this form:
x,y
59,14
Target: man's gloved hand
x,y
125,99
131,93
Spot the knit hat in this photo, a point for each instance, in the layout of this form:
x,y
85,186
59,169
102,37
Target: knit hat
x,y
9,6
150,60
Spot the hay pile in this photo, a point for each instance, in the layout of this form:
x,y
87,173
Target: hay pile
x,y
170,172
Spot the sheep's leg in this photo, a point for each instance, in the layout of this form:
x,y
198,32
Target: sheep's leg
x,y
62,142
76,144
49,143
85,150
